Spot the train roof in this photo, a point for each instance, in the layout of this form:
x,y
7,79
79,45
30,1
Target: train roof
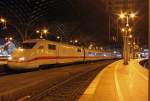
x,y
43,40
33,40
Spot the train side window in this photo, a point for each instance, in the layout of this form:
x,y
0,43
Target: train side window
x,y
78,50
51,47
28,45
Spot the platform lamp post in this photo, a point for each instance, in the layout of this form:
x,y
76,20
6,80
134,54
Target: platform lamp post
x,y
131,45
45,32
134,44
3,21
76,41
126,30
38,31
42,32
60,38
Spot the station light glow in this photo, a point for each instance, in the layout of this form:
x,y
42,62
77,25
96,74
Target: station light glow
x,y
123,29
122,15
132,15
76,41
58,37
2,20
45,31
37,31
130,29
130,36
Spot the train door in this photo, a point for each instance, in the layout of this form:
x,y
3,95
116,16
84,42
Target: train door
x,y
84,55
52,53
58,52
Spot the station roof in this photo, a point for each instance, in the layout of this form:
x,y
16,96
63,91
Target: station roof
x,y
85,20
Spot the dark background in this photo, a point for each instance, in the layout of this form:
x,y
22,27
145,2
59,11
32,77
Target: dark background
x,y
84,20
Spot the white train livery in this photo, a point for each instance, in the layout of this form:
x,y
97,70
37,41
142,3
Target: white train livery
x,y
38,52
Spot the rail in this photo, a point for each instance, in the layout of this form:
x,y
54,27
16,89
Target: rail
x,y
68,90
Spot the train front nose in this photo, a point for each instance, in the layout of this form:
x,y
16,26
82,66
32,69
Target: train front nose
x,y
19,55
18,59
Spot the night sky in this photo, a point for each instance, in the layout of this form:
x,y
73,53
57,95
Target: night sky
x,y
85,20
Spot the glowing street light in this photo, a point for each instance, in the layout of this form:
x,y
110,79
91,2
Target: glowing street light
x,y
11,38
126,31
45,31
71,41
129,29
129,43
132,15
58,37
76,41
122,16
123,29
2,20
37,31
101,48
125,15
130,36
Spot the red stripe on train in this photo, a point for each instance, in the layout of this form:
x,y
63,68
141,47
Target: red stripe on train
x,y
62,57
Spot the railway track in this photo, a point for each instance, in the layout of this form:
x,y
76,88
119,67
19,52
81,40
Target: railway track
x,y
3,74
4,71
69,90
57,84
7,73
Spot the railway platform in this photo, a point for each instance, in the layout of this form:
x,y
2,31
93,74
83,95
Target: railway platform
x,y
118,82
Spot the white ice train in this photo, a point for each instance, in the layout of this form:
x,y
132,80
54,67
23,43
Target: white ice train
x,y
38,52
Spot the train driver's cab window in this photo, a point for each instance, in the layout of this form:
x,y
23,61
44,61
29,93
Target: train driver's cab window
x,y
41,47
51,47
28,45
78,50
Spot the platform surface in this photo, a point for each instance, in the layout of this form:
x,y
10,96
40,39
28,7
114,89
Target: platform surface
x,y
118,82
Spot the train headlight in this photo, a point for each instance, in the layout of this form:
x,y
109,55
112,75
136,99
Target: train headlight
x,y
22,59
10,58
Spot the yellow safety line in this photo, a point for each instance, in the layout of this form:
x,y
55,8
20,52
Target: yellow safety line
x,y
97,77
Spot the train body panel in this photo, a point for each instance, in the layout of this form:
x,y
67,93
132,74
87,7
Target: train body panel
x,y
91,55
68,53
37,52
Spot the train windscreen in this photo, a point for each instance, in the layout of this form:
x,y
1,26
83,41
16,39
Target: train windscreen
x,y
28,45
